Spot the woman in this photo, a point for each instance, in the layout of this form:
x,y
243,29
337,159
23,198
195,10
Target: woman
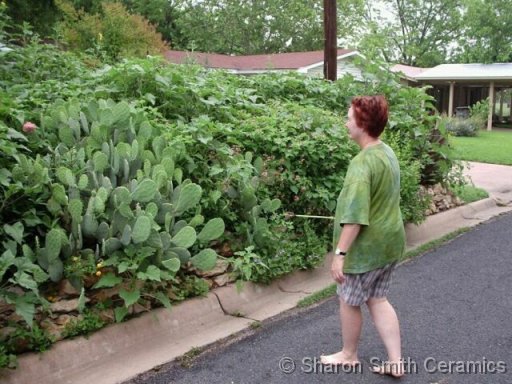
x,y
372,237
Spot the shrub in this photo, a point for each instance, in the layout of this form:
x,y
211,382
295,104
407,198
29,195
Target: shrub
x,y
36,75
138,174
111,34
462,127
479,112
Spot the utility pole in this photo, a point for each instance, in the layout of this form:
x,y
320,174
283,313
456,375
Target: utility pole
x,y
330,47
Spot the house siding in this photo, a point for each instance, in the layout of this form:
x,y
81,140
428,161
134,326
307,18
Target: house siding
x,y
344,67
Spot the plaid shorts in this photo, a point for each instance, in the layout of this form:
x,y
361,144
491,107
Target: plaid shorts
x,y
358,288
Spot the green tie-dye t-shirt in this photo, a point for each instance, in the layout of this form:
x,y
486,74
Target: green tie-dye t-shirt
x,y
371,197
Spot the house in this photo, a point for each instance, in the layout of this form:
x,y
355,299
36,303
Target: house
x,y
454,86
407,73
310,63
458,86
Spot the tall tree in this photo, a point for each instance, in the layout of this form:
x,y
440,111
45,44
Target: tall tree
x,y
258,26
411,32
164,14
41,14
487,33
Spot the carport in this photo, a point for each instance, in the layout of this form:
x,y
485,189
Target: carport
x,y
462,85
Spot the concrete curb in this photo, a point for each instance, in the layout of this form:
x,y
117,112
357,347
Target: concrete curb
x,y
121,351
436,226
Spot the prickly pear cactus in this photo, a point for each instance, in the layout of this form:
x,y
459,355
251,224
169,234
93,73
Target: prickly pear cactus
x,y
121,192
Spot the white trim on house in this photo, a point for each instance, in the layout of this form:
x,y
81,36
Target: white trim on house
x,y
257,71
321,63
482,72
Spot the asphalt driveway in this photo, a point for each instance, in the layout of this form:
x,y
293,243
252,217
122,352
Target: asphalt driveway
x,y
455,308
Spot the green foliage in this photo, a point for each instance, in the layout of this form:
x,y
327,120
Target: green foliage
x,y
7,360
190,286
23,339
111,33
35,76
247,264
305,250
462,127
79,268
486,38
235,27
412,203
317,296
140,174
87,323
40,14
469,193
416,33
479,112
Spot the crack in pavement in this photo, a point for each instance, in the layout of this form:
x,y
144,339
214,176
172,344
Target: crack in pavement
x,y
232,314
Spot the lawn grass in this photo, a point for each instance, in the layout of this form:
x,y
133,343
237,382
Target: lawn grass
x,y
317,296
493,147
468,193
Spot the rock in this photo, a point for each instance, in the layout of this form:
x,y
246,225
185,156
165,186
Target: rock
x,y
104,294
209,282
89,281
5,332
16,290
15,318
6,308
64,319
224,279
67,290
221,267
107,315
225,250
66,305
19,345
139,308
172,295
57,328
438,189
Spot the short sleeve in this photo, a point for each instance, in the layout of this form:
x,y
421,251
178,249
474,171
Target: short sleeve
x,y
354,200
355,204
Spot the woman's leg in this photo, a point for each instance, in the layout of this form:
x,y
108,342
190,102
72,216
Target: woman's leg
x,y
386,322
351,320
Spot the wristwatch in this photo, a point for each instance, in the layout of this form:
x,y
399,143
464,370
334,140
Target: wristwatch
x,y
338,252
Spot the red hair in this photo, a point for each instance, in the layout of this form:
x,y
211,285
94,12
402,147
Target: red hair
x,y
371,113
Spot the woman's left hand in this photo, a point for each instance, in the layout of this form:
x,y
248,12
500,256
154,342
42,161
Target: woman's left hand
x,y
337,269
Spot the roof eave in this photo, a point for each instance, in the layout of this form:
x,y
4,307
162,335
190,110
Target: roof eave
x,y
421,78
319,63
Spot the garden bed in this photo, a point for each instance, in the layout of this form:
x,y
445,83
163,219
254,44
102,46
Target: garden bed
x,y
142,184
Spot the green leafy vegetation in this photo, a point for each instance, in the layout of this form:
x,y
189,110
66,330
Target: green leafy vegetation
x,y
88,323
138,176
317,296
468,193
110,33
27,339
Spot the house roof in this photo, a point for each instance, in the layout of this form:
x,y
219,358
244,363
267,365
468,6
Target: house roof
x,y
408,70
498,71
291,60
